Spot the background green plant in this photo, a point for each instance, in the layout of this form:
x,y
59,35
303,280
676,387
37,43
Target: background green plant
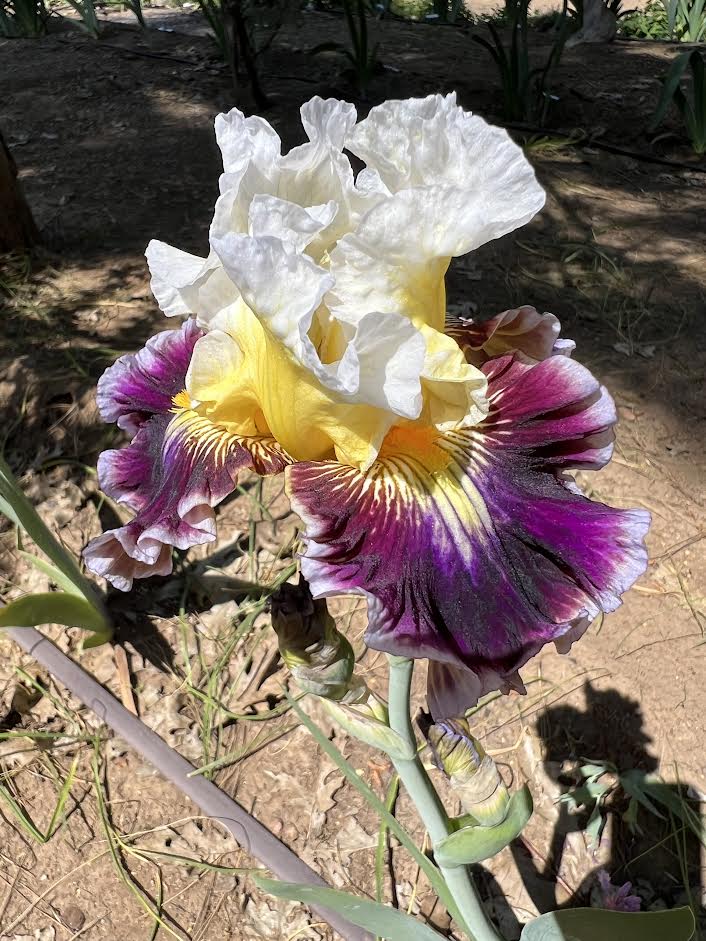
x,y
361,54
525,89
686,19
691,104
23,18
648,23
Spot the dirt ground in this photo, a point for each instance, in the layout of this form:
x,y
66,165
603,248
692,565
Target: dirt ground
x,y
115,146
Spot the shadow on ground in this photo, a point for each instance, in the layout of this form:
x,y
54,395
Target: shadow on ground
x,y
648,846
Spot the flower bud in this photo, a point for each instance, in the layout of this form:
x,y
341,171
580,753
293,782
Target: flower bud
x,y
472,773
320,658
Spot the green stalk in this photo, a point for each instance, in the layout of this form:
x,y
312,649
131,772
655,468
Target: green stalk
x,y
429,806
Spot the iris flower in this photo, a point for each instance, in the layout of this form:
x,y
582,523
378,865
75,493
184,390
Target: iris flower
x,y
428,459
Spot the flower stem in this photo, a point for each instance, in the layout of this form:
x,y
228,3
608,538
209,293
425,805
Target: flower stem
x,y
429,806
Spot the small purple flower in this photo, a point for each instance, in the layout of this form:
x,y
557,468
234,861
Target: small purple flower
x,y
617,898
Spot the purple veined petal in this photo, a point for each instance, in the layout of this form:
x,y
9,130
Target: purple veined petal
x,y
142,384
177,468
451,688
172,475
470,546
522,329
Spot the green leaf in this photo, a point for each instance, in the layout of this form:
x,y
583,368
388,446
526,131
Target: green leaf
x,y
669,88
583,795
595,824
369,730
595,924
381,919
380,852
648,789
7,509
15,505
61,568
474,844
634,786
52,607
465,820
55,574
630,815
594,770
435,878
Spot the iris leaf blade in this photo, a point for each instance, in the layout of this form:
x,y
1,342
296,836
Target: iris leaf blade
x,y
595,924
383,920
435,878
52,607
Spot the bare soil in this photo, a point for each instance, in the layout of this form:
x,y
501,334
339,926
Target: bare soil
x,y
114,142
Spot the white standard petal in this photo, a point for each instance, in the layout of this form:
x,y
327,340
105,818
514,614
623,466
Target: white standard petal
x,y
433,144
456,183
283,288
185,284
244,140
404,140
172,270
328,120
313,175
397,258
292,224
251,152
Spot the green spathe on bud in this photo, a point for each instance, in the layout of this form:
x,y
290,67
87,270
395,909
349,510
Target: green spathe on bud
x,y
472,773
319,657
365,715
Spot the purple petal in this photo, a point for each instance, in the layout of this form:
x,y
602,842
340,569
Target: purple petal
x,y
142,384
107,556
177,468
190,466
617,898
471,547
523,330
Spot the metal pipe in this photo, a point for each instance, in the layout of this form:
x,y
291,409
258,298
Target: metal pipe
x,y
255,838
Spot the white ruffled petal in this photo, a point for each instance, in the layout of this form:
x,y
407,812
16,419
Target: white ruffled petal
x,y
381,365
328,120
172,270
398,256
185,284
282,287
246,140
383,358
292,224
407,141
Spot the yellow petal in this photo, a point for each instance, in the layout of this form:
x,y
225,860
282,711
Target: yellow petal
x,y
244,379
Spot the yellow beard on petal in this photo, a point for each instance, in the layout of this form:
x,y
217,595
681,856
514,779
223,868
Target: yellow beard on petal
x,y
426,468
417,442
200,434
